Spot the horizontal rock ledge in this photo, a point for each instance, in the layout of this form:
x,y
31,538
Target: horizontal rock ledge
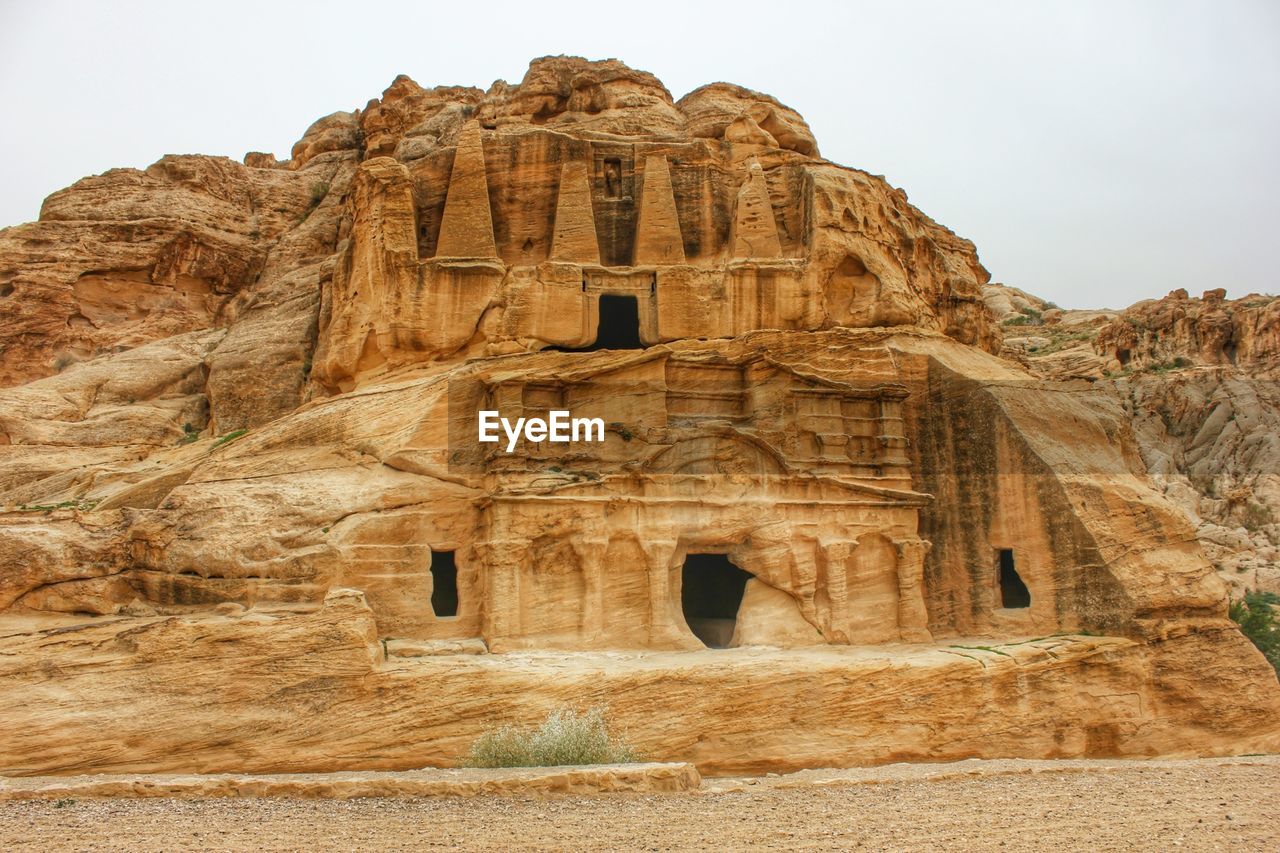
x,y
593,779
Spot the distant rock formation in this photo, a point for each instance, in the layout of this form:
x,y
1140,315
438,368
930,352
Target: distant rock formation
x,y
1197,377
1211,331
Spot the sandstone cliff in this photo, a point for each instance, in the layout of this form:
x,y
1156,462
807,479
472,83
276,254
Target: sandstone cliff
x,y
248,525
1197,378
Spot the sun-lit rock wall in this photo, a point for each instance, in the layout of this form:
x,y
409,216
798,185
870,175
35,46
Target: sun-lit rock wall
x,y
239,420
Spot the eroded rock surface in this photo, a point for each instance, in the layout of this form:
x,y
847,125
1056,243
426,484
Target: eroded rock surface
x,y
249,525
1197,377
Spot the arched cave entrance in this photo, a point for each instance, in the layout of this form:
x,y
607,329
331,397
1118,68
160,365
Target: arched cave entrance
x,y
710,592
619,323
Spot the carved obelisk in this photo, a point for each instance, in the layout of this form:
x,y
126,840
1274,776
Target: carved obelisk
x,y
755,233
574,237
466,229
658,239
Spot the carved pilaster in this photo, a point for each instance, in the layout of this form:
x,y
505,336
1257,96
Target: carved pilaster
x,y
835,557
659,555
591,553
503,561
804,578
913,617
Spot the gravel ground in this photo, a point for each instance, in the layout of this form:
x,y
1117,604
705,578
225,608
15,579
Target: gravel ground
x,y
1139,806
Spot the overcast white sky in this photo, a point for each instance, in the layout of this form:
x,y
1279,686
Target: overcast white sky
x,y
1097,152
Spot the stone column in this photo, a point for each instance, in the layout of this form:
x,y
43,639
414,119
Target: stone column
x,y
591,552
835,556
663,630
913,617
804,577
503,560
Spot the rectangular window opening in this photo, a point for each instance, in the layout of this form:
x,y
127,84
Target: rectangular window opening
x,y
444,584
1013,592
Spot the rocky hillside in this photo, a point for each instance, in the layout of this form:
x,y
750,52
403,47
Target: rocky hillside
x,y
1198,376
248,523
128,257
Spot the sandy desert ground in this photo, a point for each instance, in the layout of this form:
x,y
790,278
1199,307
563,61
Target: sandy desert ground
x,y
991,805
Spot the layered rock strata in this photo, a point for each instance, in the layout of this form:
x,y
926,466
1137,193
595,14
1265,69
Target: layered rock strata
x,y
825,524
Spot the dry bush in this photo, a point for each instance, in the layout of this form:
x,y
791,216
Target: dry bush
x,y
564,737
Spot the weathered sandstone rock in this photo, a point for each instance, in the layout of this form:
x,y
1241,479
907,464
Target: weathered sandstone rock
x,y
255,529
1196,378
520,781
302,693
1211,331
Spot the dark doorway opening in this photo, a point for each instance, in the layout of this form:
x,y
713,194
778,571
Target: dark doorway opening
x,y
710,593
619,323
1013,592
444,584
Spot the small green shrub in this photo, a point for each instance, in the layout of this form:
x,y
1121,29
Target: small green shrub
x,y
564,737
1060,340
229,437
1026,317
1256,616
81,505
1165,366
319,190
189,434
